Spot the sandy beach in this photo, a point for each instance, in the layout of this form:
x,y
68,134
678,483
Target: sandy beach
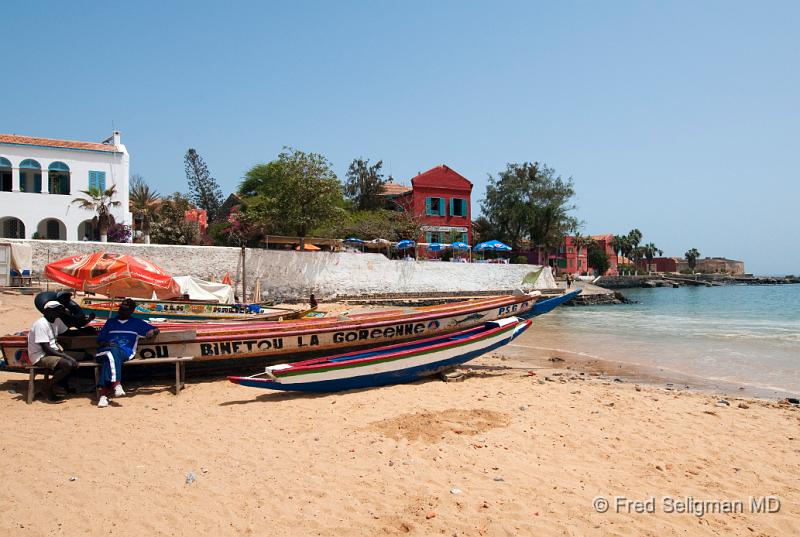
x,y
518,448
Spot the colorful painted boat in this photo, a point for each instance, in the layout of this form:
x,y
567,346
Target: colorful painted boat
x,y
391,364
270,341
187,310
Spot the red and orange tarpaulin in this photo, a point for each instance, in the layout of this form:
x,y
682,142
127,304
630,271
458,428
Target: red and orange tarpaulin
x,y
114,275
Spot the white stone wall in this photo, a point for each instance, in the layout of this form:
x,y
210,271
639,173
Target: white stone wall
x,y
291,274
32,208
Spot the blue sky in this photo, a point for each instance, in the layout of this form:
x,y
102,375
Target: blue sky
x,y
678,118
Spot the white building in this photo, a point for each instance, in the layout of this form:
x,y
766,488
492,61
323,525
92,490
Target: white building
x,y
40,177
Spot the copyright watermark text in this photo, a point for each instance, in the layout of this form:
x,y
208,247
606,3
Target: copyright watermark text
x,y
698,507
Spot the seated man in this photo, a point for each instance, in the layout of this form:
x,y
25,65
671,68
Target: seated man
x,y
44,350
116,344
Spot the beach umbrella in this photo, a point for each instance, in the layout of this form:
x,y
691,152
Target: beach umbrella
x,y
353,240
114,275
309,248
402,245
492,246
460,246
437,246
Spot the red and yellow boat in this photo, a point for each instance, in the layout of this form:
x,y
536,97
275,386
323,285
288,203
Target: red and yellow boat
x,y
260,342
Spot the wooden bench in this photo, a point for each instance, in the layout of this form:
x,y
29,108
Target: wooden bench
x,y
180,372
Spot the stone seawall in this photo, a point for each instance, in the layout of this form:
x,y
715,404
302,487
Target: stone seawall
x,y
294,275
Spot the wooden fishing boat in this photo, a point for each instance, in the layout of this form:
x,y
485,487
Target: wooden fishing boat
x,y
391,364
546,305
190,310
268,341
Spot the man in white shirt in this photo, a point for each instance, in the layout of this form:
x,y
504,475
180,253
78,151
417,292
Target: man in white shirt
x,y
44,350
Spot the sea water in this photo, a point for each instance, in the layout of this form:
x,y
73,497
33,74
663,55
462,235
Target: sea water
x,y
738,334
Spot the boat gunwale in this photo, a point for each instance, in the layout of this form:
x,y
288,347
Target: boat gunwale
x,y
222,332
351,326
323,364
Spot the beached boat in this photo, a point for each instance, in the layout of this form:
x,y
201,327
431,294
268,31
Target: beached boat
x,y
191,310
391,364
260,342
546,305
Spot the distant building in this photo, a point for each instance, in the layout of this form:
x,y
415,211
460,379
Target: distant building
x,y
707,265
570,259
661,264
39,178
713,265
441,199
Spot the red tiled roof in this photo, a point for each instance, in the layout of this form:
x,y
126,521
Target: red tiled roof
x,y
48,142
442,176
393,189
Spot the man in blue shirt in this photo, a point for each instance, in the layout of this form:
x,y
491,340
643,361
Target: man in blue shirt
x,y
116,343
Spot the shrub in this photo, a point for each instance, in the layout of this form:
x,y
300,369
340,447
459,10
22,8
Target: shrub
x,y
520,260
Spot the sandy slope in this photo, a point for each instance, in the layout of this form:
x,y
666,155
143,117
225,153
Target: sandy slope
x,y
527,457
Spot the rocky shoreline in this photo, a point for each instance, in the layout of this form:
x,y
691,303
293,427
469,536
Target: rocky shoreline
x,y
679,280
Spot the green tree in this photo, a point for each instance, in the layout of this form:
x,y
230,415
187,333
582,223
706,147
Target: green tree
x,y
364,184
691,258
635,253
100,202
171,226
483,230
294,194
529,200
597,258
618,244
144,204
204,191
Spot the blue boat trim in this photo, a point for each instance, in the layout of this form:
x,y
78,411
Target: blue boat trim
x,y
380,379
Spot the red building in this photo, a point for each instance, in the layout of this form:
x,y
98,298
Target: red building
x,y
440,198
660,264
575,260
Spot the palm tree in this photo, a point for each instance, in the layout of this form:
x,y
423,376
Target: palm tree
x,y
144,203
578,242
691,258
100,203
617,244
634,238
650,250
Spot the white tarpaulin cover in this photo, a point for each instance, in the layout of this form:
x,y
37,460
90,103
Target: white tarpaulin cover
x,y
21,257
207,291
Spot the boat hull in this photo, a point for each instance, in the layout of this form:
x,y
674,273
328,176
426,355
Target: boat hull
x,y
549,304
258,343
389,367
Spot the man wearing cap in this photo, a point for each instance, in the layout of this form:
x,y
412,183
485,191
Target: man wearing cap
x,y
44,350
116,344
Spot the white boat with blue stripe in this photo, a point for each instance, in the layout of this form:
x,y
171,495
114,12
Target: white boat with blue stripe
x,y
391,364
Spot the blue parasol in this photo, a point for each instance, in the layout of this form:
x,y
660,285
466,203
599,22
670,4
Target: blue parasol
x,y
459,246
493,246
437,246
402,245
353,240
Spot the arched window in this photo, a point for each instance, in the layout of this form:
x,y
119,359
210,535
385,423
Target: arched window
x,y
58,178
6,184
30,176
12,228
53,229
